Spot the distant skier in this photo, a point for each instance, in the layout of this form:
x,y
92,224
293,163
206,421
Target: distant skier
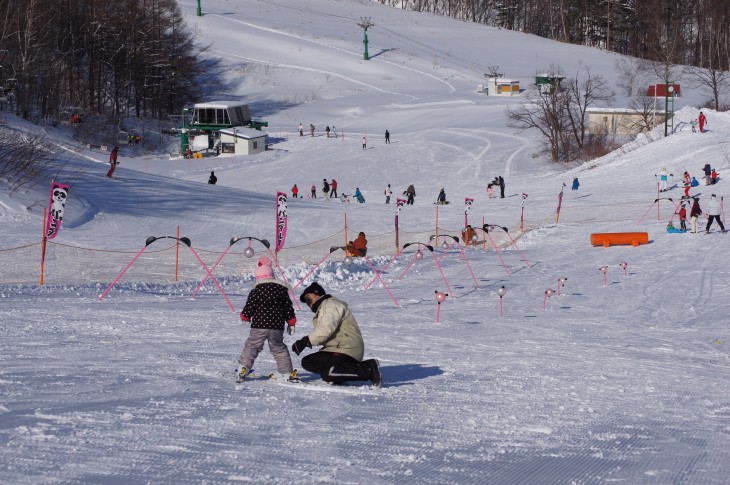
x,y
327,131
295,191
364,142
387,192
333,188
358,195
113,161
314,192
490,190
301,130
410,194
708,173
441,199
663,177
702,121
212,179
387,136
687,184
325,188
713,177
311,129
501,187
575,186
713,213
694,213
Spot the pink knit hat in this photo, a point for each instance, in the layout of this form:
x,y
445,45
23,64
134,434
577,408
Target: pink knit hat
x,y
263,269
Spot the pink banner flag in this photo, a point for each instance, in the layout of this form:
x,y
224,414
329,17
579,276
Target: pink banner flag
x,y
56,205
281,220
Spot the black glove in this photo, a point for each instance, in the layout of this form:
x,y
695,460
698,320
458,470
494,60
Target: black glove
x,y
301,344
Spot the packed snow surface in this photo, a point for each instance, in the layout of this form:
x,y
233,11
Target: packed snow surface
x,y
615,378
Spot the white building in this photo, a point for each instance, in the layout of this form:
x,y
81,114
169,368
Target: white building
x,y
240,140
497,86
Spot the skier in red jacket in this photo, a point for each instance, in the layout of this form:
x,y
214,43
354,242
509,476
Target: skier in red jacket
x,y
113,161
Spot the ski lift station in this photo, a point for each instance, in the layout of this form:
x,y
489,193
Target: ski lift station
x,y
209,119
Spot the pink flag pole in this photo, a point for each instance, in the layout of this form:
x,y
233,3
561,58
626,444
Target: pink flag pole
x,y
381,281
406,270
517,248
213,278
435,260
438,311
123,271
212,268
447,249
658,198
647,211
283,276
313,269
497,251
463,255
381,271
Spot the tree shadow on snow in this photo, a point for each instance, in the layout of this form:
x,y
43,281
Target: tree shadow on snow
x,y
405,374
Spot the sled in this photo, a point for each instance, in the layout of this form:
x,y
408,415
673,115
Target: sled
x,y
675,230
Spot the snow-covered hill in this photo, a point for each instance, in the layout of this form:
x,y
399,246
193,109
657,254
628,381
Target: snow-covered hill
x,y
623,381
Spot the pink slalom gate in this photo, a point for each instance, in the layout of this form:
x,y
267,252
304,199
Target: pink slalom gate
x,y
485,228
381,281
332,250
186,242
381,271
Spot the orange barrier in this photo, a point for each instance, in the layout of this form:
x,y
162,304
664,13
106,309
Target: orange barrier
x,y
607,239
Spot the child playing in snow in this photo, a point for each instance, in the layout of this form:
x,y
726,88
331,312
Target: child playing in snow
x,y
683,218
267,308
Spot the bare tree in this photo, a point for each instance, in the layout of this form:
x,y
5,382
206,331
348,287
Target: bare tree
x,y
545,112
584,90
709,80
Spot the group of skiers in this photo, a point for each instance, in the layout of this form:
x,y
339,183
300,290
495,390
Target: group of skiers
x,y
714,210
333,133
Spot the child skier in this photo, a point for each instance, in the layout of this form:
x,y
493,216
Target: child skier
x,y
683,218
268,307
358,195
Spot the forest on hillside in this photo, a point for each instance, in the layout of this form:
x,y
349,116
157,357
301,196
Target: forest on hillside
x,y
690,32
120,58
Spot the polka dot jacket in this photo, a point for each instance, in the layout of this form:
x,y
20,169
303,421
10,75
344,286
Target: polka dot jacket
x,y
269,306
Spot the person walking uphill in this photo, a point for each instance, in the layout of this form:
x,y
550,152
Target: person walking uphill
x,y
713,213
113,161
410,194
268,307
336,330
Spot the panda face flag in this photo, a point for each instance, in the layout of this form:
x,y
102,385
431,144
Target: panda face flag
x,y
56,206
